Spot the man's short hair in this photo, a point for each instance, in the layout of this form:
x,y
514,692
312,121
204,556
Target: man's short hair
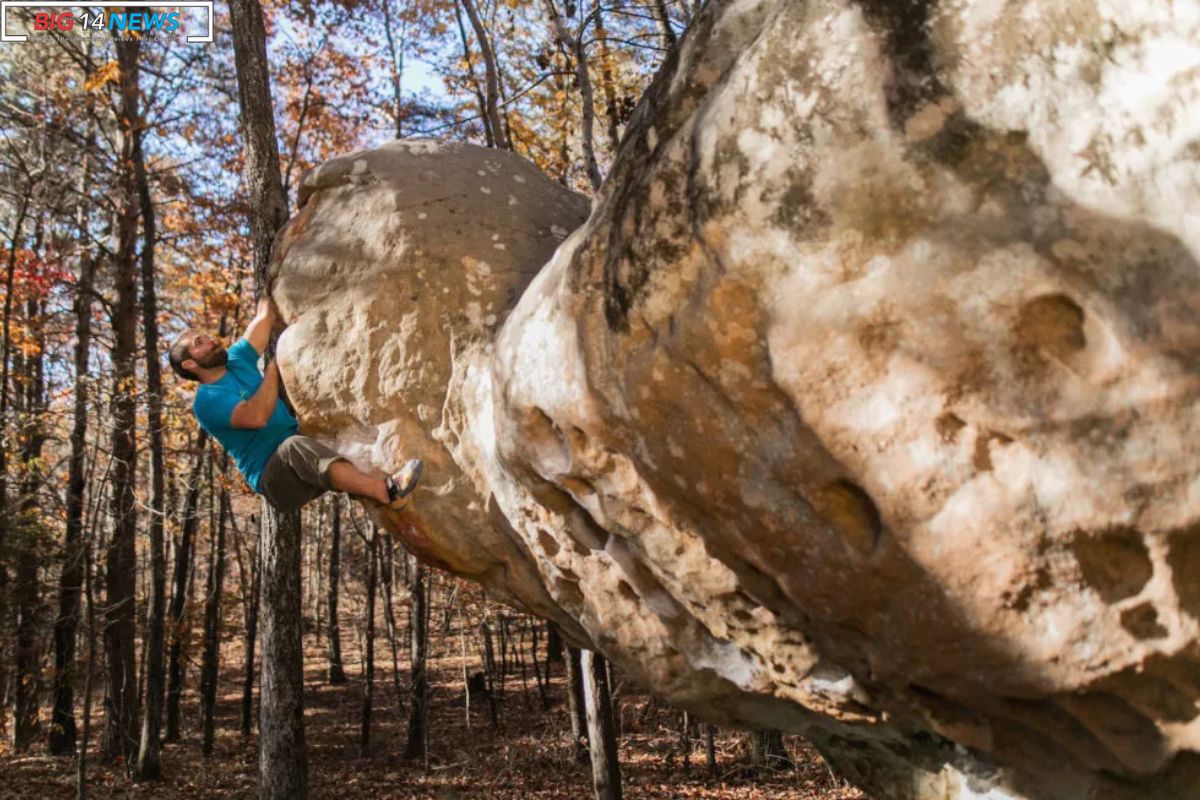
x,y
179,353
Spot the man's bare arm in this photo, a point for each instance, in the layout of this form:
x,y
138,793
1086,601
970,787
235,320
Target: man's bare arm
x,y
259,329
253,413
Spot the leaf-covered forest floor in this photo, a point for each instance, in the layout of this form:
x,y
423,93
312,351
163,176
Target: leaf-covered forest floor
x,y
528,755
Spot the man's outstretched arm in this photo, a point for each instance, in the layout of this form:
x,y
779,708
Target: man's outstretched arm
x,y
258,332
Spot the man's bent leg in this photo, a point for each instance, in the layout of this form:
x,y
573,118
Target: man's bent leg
x,y
303,469
346,477
298,472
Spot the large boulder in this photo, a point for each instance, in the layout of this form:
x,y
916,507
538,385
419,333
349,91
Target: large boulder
x,y
864,405
401,263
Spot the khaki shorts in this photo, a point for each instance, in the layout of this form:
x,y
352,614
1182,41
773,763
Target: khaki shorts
x,y
297,472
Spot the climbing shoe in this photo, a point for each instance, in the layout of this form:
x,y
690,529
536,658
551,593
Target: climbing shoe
x,y
400,485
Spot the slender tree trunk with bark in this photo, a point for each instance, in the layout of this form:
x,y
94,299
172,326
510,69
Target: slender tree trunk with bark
x,y
685,741
62,715
574,43
602,739
710,748
210,667
121,739
491,76
489,671
177,612
576,706
767,749
90,671
5,356
369,655
251,639
283,754
490,136
554,646
337,672
664,24
26,725
389,576
418,712
149,765
396,65
607,82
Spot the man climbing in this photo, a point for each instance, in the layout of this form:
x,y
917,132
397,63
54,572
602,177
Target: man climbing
x,y
240,407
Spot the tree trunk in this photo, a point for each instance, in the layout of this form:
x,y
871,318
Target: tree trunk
x,y
606,80
685,741
6,347
664,24
396,66
81,771
337,672
602,739
418,622
554,646
283,760
62,715
767,749
576,705
177,613
491,76
283,755
489,671
710,749
251,640
574,43
389,575
149,765
369,655
26,725
317,573
489,136
534,628
121,739
210,667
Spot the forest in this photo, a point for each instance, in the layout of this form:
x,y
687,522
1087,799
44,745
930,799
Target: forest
x,y
142,179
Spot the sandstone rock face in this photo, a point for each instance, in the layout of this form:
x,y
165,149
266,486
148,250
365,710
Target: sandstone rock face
x,y
865,403
401,263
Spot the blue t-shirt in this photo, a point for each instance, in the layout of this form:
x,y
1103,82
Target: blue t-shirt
x,y
214,404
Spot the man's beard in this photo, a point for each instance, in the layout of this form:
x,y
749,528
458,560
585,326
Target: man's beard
x,y
217,357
